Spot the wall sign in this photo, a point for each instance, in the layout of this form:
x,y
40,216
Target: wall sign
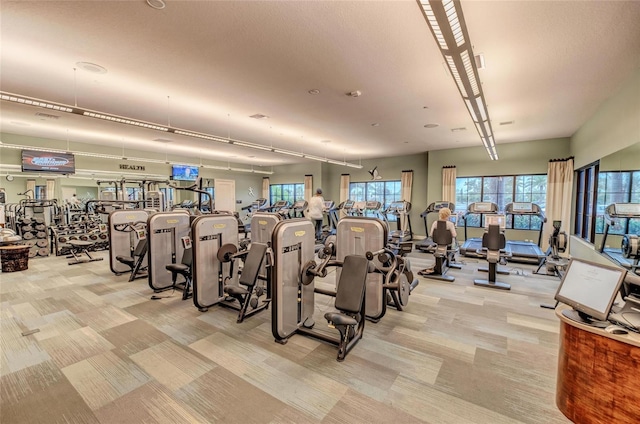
x,y
132,167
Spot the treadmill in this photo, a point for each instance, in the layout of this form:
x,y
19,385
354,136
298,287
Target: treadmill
x,y
427,245
628,256
525,251
471,246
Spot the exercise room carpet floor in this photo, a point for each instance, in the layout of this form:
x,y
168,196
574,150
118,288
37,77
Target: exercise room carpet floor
x,y
106,353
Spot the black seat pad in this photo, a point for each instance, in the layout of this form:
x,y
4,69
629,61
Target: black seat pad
x,y
236,291
125,259
177,268
337,318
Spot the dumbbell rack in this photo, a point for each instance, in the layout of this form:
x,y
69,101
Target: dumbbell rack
x,y
85,231
34,233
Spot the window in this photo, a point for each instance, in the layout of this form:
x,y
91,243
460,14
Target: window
x,y
288,192
617,187
585,201
40,193
502,190
134,193
168,196
384,192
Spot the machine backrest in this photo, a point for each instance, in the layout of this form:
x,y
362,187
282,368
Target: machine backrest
x,y
187,257
141,248
252,264
350,294
493,239
442,236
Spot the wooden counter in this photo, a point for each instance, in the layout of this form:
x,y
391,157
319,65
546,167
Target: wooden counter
x,y
598,374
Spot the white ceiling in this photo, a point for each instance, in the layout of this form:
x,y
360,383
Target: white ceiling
x,y
207,66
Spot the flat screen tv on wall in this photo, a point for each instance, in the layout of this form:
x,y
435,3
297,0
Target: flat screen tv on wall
x,y
184,173
35,161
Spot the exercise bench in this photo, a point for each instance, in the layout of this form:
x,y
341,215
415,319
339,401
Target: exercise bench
x,y
80,247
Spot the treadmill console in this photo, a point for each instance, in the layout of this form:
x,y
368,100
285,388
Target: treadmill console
x,y
483,207
299,204
500,220
521,207
280,204
626,210
328,205
372,205
442,204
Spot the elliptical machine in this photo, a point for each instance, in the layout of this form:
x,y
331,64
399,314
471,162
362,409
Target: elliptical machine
x,y
555,264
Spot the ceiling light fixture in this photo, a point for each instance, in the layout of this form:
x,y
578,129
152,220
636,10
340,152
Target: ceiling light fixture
x,y
14,98
288,152
446,21
314,91
318,158
252,146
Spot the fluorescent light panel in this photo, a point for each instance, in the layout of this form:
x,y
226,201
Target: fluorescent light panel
x,y
252,146
288,152
446,21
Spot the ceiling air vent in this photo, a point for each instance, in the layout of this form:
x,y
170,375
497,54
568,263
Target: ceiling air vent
x,y
47,115
506,123
458,129
259,116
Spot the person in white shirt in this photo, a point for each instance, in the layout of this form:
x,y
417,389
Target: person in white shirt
x,y
74,201
443,215
315,211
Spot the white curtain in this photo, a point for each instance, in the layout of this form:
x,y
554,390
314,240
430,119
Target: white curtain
x,y
265,189
344,190
308,187
559,191
449,183
406,183
31,185
51,186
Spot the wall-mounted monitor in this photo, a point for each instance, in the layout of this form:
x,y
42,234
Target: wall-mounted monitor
x,y
35,161
590,288
184,173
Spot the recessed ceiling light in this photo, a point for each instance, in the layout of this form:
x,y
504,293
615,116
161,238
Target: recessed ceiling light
x,y
314,91
259,116
356,93
157,4
375,124
432,125
91,67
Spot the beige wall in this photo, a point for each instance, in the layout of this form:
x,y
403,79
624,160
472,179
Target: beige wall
x,y
88,185
614,126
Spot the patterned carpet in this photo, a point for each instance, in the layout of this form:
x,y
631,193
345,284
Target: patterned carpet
x,y
106,353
